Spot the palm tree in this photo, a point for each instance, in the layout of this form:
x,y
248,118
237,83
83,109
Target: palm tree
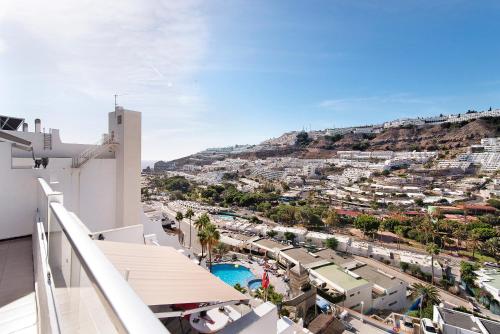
x,y
460,233
332,218
212,239
428,293
202,238
179,217
428,229
202,222
432,249
220,249
400,233
189,214
474,239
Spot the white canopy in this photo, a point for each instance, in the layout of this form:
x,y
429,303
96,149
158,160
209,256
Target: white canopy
x,y
163,276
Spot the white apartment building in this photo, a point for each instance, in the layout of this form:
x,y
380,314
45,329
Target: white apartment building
x,y
450,321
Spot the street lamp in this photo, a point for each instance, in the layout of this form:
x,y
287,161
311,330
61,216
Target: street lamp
x,y
362,317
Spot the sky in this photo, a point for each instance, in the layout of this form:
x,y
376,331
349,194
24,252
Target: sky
x,y
218,73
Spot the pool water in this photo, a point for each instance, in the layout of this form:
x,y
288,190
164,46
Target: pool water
x,y
255,284
232,274
226,217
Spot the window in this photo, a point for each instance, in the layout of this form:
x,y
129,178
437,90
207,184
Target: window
x,y
119,119
393,303
351,295
393,292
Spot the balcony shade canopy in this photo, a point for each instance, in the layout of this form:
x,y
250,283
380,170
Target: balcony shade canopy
x,y
162,276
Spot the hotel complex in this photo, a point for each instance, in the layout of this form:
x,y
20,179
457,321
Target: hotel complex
x,y
78,254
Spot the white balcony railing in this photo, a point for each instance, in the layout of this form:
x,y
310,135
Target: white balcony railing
x,y
82,287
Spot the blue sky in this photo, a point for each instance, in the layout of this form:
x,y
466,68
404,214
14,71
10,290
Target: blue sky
x,y
218,73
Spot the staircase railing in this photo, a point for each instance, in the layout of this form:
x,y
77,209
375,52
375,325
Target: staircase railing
x,y
93,151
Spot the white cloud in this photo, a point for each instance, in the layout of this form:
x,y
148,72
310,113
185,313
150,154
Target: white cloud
x,y
148,51
393,99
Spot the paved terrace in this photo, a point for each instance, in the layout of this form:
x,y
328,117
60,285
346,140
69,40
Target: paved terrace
x,y
17,288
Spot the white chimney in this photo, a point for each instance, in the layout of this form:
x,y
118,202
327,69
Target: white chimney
x,y
38,125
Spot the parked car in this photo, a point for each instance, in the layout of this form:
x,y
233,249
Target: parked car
x,y
427,327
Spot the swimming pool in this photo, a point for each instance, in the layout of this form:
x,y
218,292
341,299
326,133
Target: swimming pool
x,y
227,217
255,284
233,273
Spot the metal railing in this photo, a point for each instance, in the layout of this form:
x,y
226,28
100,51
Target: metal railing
x,y
89,293
93,151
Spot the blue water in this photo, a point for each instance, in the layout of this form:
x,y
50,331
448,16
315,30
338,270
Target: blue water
x,y
255,284
232,274
226,217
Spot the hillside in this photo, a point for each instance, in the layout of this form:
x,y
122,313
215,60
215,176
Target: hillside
x,y
452,138
448,138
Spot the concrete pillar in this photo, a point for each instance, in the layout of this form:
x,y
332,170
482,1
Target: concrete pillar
x,y
125,126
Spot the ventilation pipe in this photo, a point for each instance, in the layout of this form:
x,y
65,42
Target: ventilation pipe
x,y
38,125
25,127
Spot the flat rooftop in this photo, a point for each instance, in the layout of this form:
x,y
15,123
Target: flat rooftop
x,y
301,255
338,258
270,244
381,279
336,275
491,326
459,319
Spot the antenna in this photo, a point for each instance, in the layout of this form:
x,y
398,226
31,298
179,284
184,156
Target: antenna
x,y
116,95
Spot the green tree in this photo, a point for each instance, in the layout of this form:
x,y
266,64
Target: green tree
x,y
241,289
302,139
491,247
189,215
290,236
332,218
494,202
212,239
400,232
202,222
202,238
368,224
271,233
332,243
429,294
467,273
269,295
432,249
179,217
220,249
460,233
390,224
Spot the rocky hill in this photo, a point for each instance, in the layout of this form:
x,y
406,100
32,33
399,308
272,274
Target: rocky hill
x,y
448,138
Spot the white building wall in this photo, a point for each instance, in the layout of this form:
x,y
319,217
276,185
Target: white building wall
x,y
125,126
395,296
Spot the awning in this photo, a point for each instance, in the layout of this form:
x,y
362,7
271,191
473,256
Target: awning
x,y
163,276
